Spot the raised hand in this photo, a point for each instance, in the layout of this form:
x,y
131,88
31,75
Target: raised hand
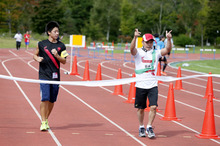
x,y
137,33
168,34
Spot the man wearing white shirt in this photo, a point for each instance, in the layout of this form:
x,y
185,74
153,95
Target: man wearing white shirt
x,y
18,37
146,60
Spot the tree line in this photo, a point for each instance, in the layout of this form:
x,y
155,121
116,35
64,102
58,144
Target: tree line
x,y
115,20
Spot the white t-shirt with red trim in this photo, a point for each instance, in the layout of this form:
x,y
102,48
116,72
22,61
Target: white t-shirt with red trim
x,y
144,60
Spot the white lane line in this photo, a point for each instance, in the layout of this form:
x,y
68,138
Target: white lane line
x,y
192,93
188,105
112,68
28,100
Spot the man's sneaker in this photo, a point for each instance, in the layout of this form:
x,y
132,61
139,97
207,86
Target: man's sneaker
x,y
142,132
47,124
43,126
150,132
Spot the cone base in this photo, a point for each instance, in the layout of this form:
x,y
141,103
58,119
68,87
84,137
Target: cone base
x,y
160,82
206,136
117,93
86,80
170,119
98,79
129,101
178,88
76,73
147,109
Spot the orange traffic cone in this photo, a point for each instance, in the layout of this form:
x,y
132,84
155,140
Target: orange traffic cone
x,y
132,92
178,85
86,76
98,74
208,129
118,88
170,111
159,72
147,108
74,67
209,88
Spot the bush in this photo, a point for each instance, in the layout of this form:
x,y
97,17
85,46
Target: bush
x,y
183,40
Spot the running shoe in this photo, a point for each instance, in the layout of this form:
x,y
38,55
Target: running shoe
x,y
43,126
142,132
163,73
47,124
150,132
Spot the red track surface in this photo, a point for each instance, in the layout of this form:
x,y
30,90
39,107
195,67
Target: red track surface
x,y
92,115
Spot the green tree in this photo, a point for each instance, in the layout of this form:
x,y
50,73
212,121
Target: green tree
x,y
77,14
106,16
46,11
202,18
127,17
213,21
11,9
187,15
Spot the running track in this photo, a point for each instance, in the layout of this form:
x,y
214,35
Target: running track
x,y
92,115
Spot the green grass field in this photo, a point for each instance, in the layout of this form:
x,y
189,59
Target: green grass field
x,y
11,43
204,66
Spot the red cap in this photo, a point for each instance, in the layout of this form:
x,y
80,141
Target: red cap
x,y
147,37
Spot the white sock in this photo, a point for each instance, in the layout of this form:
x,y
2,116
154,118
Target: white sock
x,y
141,126
148,126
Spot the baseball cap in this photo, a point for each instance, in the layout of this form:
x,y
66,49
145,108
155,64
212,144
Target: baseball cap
x,y
51,25
147,37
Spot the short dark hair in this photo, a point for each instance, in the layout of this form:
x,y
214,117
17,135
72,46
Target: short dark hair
x,y
156,35
50,26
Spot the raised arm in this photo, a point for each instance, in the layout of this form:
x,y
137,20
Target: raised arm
x,y
168,47
61,59
133,42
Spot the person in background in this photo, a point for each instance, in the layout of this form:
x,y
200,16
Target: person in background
x,y
156,40
18,37
27,39
161,45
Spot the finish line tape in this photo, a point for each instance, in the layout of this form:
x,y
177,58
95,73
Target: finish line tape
x,y
106,82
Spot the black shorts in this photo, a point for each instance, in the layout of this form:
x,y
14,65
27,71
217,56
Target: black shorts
x,y
164,59
143,94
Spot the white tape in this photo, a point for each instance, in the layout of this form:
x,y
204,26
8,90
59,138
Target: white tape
x,y
106,82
